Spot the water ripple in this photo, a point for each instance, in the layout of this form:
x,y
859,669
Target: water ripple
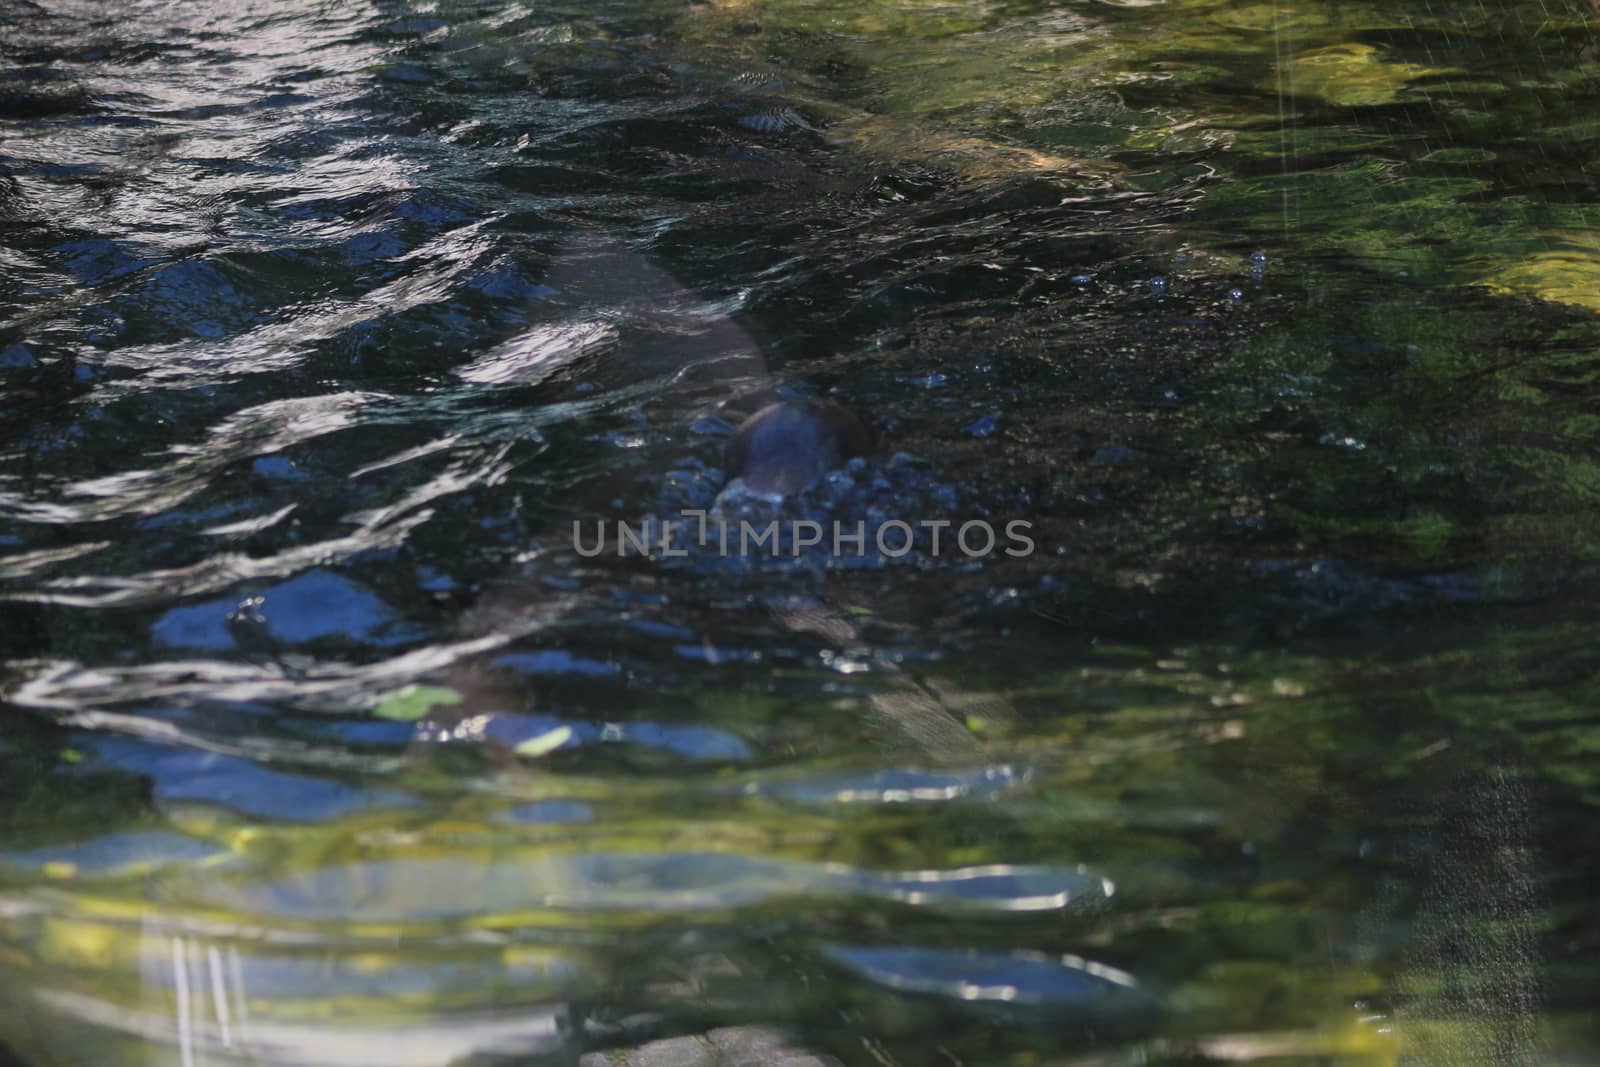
x,y
455,887
1007,977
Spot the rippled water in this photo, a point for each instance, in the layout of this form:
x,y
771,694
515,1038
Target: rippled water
x,y
322,324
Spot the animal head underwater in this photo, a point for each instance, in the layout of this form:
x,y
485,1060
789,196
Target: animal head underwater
x,y
788,445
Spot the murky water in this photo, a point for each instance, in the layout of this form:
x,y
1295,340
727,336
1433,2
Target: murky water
x,y
321,325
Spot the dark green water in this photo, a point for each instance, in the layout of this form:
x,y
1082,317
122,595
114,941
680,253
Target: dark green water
x,y
321,324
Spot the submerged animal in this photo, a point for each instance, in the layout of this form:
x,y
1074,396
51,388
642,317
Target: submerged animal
x,y
786,446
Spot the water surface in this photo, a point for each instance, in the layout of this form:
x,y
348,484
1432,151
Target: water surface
x,y
321,324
